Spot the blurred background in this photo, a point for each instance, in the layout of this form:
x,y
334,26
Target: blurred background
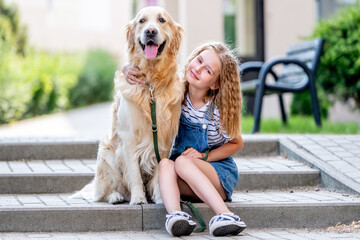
x,y
57,55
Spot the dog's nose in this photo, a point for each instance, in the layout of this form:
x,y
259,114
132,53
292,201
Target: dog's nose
x,y
151,32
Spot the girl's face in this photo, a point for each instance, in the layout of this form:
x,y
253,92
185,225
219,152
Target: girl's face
x,y
203,71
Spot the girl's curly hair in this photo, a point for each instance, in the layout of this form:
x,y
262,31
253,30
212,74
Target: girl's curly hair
x,y
228,98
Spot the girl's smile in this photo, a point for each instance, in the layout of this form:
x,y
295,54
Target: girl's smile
x,y
193,75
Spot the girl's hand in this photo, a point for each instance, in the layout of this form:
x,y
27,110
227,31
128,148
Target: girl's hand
x,y
191,152
131,74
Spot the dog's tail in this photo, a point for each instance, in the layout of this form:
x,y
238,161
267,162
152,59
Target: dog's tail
x,y
87,193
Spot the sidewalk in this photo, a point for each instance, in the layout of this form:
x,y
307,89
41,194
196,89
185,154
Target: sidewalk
x,y
262,234
88,122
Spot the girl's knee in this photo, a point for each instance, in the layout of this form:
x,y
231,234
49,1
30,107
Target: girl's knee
x,y
166,163
183,164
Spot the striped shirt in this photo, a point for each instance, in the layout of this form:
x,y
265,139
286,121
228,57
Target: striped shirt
x,y
215,137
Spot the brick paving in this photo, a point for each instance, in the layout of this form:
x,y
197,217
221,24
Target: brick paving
x,y
245,164
262,234
47,166
339,151
269,164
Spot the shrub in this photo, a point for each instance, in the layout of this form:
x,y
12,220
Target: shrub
x,y
301,104
339,69
35,84
95,82
10,28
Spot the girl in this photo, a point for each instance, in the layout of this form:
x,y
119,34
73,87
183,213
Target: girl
x,y
200,165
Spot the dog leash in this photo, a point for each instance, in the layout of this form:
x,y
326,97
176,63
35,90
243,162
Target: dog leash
x,y
196,214
153,125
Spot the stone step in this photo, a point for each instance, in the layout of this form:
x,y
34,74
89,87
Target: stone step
x,y
79,148
59,176
274,172
275,209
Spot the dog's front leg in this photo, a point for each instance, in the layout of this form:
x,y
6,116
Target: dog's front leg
x,y
135,182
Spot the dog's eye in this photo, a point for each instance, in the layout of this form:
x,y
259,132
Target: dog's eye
x,y
162,20
142,20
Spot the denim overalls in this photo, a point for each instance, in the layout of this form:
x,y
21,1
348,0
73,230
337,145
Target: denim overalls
x,y
196,136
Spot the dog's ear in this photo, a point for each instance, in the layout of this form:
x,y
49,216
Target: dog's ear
x,y
177,39
130,35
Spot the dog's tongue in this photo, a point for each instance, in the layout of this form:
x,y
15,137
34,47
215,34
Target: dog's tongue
x,y
151,51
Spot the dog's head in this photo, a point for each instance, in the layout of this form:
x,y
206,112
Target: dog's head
x,y
153,34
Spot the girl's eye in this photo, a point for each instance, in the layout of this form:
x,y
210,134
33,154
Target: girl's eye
x,y
162,20
142,20
199,60
208,71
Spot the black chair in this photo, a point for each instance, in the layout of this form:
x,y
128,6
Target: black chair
x,y
297,74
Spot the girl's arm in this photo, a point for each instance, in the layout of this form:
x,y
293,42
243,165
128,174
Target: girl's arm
x,y
231,147
228,149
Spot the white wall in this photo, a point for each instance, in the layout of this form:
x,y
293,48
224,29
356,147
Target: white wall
x,y
202,21
73,25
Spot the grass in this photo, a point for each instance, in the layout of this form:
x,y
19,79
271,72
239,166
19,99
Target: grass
x,y
299,124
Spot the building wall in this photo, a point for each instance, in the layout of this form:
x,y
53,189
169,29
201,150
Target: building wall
x,y
73,25
286,22
202,21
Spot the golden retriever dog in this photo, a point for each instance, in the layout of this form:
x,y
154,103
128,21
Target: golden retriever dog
x,y
127,169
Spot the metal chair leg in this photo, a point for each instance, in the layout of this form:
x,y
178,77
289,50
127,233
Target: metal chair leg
x,y
315,103
257,108
282,108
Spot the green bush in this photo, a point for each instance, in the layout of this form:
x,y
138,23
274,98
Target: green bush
x,y
339,69
10,28
301,104
96,79
35,84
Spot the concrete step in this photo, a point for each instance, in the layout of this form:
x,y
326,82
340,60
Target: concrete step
x,y
273,172
45,176
275,209
59,176
79,148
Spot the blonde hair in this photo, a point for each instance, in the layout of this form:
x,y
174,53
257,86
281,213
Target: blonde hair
x,y
228,98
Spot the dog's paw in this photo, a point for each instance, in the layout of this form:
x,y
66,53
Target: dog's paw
x,y
135,200
115,198
156,198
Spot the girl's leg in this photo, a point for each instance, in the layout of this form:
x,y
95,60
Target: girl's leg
x,y
177,223
168,185
203,180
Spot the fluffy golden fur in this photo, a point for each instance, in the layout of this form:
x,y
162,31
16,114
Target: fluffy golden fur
x,y
127,168
228,98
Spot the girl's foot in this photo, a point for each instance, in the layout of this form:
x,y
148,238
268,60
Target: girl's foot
x,y
178,223
226,224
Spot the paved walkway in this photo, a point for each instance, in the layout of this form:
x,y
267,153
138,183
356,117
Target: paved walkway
x,y
265,234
